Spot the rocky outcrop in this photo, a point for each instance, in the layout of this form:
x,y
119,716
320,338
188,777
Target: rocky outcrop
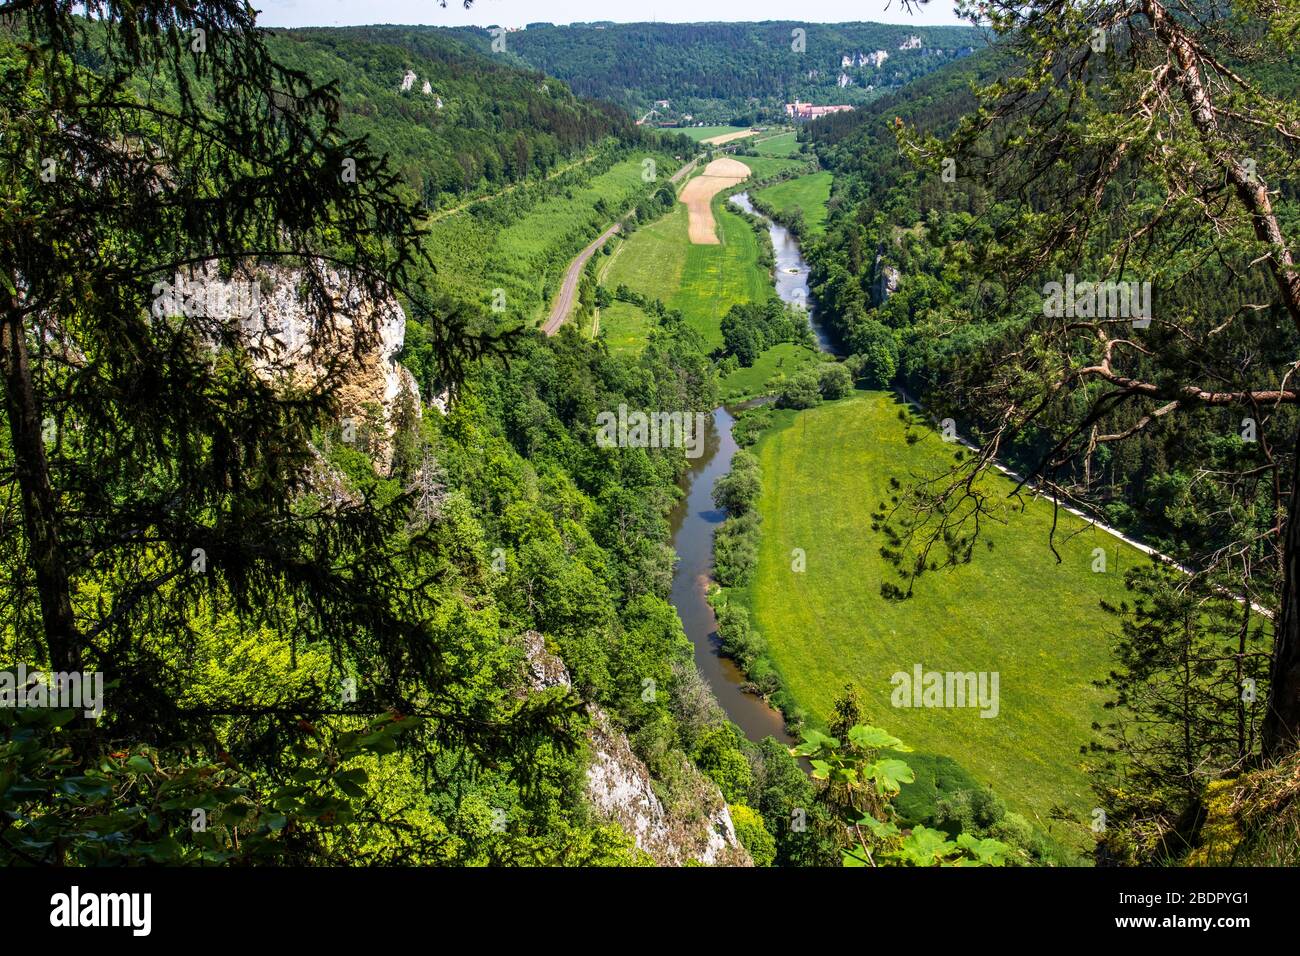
x,y
621,790
875,59
345,339
884,280
619,787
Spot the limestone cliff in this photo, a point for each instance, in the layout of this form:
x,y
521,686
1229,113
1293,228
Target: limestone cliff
x,y
345,339
619,787
884,279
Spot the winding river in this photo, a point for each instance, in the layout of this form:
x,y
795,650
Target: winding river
x,y
694,519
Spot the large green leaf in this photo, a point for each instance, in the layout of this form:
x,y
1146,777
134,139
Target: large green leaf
x,y
926,847
889,774
813,741
873,738
987,851
880,830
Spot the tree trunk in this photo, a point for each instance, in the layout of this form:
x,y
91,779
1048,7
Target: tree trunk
x,y
39,504
1281,731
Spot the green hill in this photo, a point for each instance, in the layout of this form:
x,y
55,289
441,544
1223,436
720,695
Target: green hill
x,y
714,71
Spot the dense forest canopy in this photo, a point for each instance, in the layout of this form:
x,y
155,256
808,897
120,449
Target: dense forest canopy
x,y
456,123
319,621
719,71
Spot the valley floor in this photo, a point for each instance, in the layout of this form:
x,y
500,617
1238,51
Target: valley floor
x,y
662,261
1013,610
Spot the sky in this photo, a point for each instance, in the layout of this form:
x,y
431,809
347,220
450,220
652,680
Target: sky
x,y
515,13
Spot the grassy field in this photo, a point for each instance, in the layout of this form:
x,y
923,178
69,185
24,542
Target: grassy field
x,y
782,145
698,133
650,262
764,166
808,193
528,257
626,327
774,367
702,281
1012,610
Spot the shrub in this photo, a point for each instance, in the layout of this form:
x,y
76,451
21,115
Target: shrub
x,y
738,490
739,640
834,381
735,550
875,353
720,758
753,835
802,392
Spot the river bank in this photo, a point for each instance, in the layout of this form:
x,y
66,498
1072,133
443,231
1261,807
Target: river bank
x,y
694,519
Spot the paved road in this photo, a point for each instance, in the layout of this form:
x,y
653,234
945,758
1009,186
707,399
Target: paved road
x,y
569,288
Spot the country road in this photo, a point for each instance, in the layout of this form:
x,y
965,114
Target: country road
x,y
564,302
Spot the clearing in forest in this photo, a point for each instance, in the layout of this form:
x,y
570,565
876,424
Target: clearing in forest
x,y
698,196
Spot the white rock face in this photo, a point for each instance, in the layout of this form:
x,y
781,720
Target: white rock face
x,y
619,786
353,343
376,329
427,88
408,80
878,58
886,279
913,42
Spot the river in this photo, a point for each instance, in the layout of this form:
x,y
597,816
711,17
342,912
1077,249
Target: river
x,y
791,272
694,519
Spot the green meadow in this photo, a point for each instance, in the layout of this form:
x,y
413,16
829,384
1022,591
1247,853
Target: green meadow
x,y
783,144
769,373
626,327
703,281
765,166
698,133
1013,609
527,258
807,193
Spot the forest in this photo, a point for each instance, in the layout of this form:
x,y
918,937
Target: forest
x,y
295,476
955,206
723,71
